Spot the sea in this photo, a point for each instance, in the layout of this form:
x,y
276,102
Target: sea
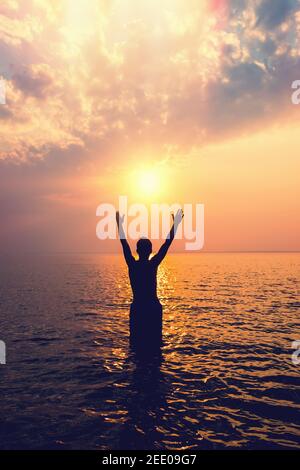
x,y
226,377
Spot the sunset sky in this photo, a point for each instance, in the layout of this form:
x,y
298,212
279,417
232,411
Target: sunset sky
x,y
100,92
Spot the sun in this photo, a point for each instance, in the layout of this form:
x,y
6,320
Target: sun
x,y
147,183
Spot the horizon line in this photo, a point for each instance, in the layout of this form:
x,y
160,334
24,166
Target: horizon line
x,y
170,253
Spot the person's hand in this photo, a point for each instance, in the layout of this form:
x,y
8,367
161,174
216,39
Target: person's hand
x,y
178,217
119,218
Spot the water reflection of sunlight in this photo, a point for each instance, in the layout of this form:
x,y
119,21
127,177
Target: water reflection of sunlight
x,y
175,329
165,284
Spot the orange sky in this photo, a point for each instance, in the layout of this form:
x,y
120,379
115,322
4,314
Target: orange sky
x,y
199,92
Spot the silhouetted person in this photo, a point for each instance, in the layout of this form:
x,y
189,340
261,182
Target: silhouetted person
x,y
145,310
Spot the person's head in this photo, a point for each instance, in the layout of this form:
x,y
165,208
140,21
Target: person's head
x,y
144,248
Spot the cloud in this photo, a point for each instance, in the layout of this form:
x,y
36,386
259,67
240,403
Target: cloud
x,y
34,81
272,13
112,80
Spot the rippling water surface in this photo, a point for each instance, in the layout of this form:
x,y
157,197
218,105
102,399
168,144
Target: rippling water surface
x,y
225,378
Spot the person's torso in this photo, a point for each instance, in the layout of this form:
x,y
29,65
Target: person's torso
x,y
142,277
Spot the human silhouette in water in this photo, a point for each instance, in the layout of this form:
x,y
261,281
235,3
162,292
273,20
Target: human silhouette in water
x,y
145,310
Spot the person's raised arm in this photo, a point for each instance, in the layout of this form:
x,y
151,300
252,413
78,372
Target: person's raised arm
x,y
125,245
166,245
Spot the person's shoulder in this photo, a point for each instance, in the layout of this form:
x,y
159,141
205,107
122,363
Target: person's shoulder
x,y
154,262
